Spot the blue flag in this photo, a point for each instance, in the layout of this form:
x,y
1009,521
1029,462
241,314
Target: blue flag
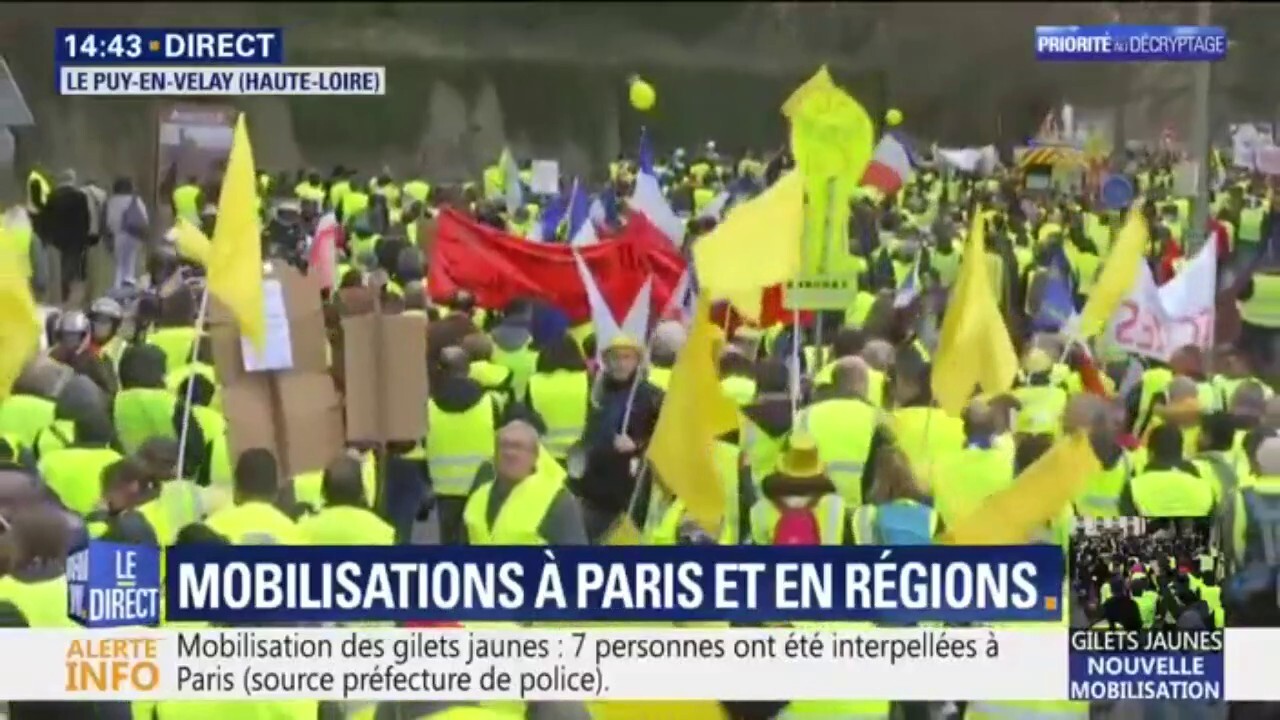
x,y
1057,304
644,157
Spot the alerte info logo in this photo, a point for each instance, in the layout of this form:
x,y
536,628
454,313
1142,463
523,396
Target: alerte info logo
x,y
1131,43
114,585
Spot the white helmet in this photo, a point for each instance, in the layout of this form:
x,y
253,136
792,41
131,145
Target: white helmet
x,y
106,307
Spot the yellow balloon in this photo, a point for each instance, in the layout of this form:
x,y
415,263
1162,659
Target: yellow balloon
x,y
893,117
642,94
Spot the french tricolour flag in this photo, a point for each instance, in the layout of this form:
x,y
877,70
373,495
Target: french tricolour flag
x,y
648,201
890,167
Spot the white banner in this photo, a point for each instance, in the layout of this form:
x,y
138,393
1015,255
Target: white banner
x,y
355,664
1267,160
1157,321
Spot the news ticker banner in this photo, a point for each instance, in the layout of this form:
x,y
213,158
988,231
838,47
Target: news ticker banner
x,y
1131,43
119,585
164,62
631,663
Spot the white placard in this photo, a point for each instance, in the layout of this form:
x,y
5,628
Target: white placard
x,y
277,347
545,177
1186,178
560,665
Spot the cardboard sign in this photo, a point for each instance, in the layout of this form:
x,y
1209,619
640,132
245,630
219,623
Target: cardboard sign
x,y
385,375
296,413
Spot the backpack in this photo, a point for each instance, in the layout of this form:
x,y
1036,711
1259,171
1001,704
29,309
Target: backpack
x,y
134,220
797,526
902,523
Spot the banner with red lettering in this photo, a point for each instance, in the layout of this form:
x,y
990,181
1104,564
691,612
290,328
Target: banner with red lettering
x,y
1158,321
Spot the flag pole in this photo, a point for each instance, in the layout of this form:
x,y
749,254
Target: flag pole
x,y
189,399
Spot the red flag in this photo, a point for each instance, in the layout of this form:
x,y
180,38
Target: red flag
x,y
322,262
497,268
771,312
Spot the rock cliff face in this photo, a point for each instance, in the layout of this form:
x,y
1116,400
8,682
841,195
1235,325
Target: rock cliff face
x,y
548,78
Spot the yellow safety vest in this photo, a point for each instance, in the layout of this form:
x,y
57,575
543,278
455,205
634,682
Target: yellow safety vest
x,y
830,511
519,518
143,413
1171,493
354,203
337,191
36,200
760,449
75,473
17,249
43,603
308,486
967,478
741,390
842,429
1100,496
926,436
255,523
1251,220
521,362
175,343
417,190
23,416
659,377
57,435
174,379
561,399
186,202
179,504
344,525
1263,306
667,530
458,444
1042,408
1154,382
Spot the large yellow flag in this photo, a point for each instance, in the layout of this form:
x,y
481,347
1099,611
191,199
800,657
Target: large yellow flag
x,y
757,245
235,255
832,139
694,413
1118,274
1012,516
974,348
19,322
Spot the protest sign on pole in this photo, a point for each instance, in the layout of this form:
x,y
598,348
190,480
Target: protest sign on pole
x,y
192,141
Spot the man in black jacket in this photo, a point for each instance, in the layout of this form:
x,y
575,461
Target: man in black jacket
x,y
64,223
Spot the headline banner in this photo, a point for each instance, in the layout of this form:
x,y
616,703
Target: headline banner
x,y
269,584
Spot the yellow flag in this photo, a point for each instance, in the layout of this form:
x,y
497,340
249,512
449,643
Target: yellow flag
x,y
1012,516
1118,274
235,255
820,82
974,348
832,140
757,245
19,324
694,413
192,243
